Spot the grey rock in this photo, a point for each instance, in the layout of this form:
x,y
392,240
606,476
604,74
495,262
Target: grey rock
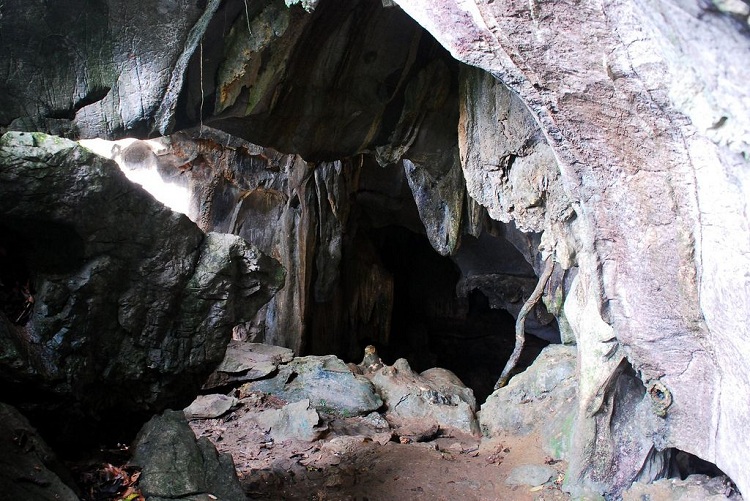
x,y
98,89
245,361
635,229
530,474
448,383
133,304
324,380
410,397
298,420
174,464
376,420
693,488
538,399
209,406
28,467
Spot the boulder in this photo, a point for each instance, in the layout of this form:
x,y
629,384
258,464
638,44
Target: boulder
x,y
324,380
448,383
131,305
413,401
531,474
245,361
28,467
176,465
209,406
298,421
540,399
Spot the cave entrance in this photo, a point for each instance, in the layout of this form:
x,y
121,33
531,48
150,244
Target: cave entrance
x,y
440,318
399,294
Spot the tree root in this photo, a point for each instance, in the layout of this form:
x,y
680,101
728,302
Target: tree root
x,y
549,265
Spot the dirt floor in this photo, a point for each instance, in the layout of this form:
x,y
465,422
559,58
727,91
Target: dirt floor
x,y
353,462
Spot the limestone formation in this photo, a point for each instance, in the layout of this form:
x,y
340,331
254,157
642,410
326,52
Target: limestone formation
x,y
611,137
325,381
413,400
651,146
133,305
540,400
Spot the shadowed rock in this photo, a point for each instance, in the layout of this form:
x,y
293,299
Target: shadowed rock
x,y
176,465
133,305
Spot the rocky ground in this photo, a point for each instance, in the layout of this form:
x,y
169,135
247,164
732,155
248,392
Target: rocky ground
x,y
354,460
316,428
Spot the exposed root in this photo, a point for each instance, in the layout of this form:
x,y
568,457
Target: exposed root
x,y
549,265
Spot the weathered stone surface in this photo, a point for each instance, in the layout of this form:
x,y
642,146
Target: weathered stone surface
x,y
246,361
209,406
448,383
530,474
90,70
508,165
176,465
297,420
28,467
325,381
693,488
411,397
540,399
133,304
641,118
641,106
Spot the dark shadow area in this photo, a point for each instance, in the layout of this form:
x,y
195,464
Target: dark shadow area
x,y
432,326
684,464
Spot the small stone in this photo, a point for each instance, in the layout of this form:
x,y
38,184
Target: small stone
x,y
209,406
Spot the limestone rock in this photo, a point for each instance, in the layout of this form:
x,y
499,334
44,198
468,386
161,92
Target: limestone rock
x,y
28,467
693,488
448,383
133,305
245,361
297,420
409,397
644,131
209,406
100,87
530,474
175,465
325,381
542,398
508,165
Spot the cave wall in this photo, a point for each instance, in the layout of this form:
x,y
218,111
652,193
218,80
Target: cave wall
x,y
652,145
619,137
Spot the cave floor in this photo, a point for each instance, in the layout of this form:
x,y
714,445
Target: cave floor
x,y
344,465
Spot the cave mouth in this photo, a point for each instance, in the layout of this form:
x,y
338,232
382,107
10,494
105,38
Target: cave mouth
x,y
398,293
435,324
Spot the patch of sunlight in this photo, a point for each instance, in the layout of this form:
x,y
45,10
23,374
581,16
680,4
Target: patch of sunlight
x,y
143,172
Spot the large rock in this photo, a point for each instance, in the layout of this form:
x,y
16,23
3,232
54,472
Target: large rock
x,y
133,305
693,488
297,420
325,381
541,400
639,103
246,361
176,465
28,467
437,397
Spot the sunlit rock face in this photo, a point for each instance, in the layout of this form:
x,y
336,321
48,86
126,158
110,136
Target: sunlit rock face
x,y
139,161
